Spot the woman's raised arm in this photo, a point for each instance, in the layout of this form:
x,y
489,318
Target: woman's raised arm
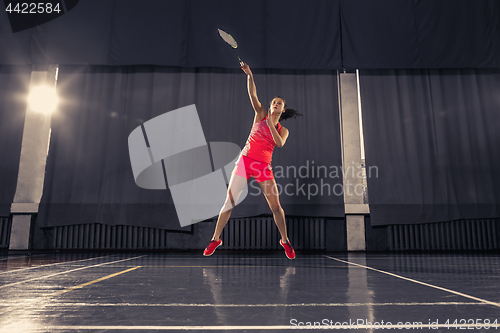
x,y
260,110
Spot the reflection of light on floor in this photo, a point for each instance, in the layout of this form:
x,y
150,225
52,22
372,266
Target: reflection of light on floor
x,y
215,283
358,290
22,316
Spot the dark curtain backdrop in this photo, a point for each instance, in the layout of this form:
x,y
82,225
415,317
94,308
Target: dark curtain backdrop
x,y
434,137
89,176
293,34
14,86
426,34
270,34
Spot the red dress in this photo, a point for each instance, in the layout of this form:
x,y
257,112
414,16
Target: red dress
x,y
260,143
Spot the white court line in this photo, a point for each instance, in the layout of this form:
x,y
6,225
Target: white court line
x,y
251,305
58,263
71,270
419,282
16,327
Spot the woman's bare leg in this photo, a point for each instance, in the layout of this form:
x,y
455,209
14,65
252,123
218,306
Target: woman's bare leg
x,y
236,186
271,193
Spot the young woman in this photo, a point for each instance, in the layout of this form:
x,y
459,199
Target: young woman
x,y
255,161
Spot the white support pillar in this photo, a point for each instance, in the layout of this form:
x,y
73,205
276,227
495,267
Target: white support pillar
x,y
34,150
353,164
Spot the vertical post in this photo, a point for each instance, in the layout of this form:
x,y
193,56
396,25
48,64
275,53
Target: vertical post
x,y
34,150
353,164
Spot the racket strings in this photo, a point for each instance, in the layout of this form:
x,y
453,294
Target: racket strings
x,y
228,38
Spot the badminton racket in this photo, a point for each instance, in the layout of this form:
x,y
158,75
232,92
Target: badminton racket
x,y
231,42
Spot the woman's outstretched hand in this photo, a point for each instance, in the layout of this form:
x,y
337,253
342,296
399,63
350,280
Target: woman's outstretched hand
x,y
245,68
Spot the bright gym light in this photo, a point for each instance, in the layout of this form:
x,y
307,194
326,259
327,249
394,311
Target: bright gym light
x,y
43,99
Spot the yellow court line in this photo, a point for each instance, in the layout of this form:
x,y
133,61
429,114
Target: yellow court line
x,y
92,282
65,272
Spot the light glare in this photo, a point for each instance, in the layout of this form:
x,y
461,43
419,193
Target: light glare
x,y
43,99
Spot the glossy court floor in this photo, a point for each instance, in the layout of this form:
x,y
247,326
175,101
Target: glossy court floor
x,y
248,292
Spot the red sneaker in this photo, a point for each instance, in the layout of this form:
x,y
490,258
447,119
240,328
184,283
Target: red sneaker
x,y
289,251
211,247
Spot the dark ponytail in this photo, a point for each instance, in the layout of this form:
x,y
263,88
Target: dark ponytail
x,y
289,113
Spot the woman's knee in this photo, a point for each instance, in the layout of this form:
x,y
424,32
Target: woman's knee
x,y
276,208
227,207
